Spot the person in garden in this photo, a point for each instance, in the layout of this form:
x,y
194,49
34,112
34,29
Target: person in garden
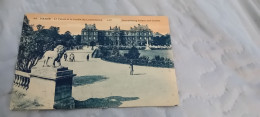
x,y
131,67
88,57
65,56
72,57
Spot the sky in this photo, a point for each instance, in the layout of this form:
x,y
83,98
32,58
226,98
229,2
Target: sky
x,y
75,23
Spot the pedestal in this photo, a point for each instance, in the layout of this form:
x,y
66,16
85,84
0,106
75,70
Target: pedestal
x,y
52,87
147,47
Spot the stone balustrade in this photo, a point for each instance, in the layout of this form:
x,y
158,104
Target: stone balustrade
x,y
21,81
51,87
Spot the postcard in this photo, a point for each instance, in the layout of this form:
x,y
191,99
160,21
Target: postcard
x,y
94,61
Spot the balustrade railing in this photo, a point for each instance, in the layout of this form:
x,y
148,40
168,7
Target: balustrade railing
x,y
22,80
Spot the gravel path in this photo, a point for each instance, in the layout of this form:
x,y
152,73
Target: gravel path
x,y
153,86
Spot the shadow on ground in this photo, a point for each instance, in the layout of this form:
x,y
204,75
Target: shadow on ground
x,y
140,74
112,101
83,80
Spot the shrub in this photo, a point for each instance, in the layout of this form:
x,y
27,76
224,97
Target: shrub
x,y
104,52
133,53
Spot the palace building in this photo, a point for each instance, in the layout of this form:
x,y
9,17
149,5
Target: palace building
x,y
139,35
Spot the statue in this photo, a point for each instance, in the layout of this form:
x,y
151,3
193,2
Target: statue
x,y
56,55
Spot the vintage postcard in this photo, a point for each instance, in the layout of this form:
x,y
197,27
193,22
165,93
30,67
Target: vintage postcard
x,y
94,61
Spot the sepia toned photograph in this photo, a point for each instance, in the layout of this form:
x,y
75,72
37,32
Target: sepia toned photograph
x,y
94,61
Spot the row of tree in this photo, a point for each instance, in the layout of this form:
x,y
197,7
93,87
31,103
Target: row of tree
x,y
34,43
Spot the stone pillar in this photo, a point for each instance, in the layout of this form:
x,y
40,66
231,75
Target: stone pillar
x,y
52,87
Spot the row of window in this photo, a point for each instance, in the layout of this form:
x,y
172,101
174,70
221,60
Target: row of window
x,y
137,38
90,33
137,33
125,33
124,38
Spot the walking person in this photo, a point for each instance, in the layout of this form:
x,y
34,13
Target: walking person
x,y
65,56
88,57
72,57
131,67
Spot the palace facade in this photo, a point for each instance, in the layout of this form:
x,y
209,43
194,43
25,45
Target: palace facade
x,y
139,35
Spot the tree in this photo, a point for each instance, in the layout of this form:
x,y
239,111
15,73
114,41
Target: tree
x,y
33,44
23,61
39,27
78,39
67,40
26,55
133,53
167,39
92,44
27,28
